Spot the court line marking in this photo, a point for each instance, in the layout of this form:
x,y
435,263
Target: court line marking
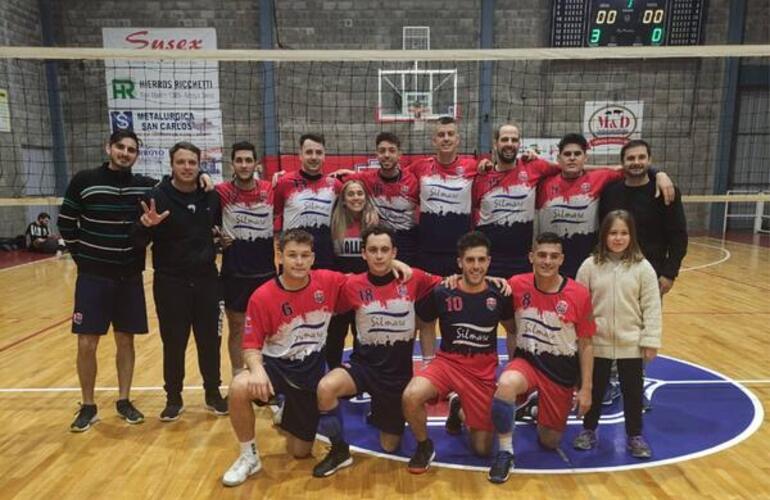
x,y
34,334
726,256
759,415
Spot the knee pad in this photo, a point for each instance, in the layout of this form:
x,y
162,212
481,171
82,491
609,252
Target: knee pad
x,y
502,415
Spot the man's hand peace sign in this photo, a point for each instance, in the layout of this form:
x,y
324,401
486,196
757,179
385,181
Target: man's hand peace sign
x,y
151,217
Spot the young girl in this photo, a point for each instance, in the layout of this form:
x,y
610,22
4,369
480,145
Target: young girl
x,y
352,212
626,301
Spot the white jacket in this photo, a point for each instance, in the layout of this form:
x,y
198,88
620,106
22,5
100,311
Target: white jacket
x,y
626,302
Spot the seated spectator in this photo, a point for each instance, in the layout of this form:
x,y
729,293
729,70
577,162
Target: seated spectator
x,y
39,238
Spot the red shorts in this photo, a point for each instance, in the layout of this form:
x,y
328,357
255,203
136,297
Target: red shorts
x,y
475,394
554,400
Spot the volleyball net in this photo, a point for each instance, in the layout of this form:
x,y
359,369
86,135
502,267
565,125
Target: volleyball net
x,y
58,107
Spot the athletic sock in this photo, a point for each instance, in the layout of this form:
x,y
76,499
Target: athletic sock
x,y
330,424
502,418
249,448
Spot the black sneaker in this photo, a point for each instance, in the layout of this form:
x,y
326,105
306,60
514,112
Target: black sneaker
x,y
454,425
171,412
216,404
128,412
501,468
337,458
528,411
86,416
422,458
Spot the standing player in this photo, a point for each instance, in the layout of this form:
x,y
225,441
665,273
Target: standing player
x,y
446,182
286,323
99,208
568,204
554,326
504,203
179,221
381,363
466,362
247,238
304,199
395,194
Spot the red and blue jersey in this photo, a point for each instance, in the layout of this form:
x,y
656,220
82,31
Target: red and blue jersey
x,y
468,324
548,326
445,202
385,321
397,201
504,210
290,327
570,208
247,217
303,201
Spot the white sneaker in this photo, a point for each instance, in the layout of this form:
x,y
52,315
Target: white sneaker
x,y
240,471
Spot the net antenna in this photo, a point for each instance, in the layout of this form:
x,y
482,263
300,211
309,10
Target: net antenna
x,y
416,94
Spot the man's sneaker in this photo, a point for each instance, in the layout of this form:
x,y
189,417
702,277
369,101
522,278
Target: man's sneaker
x,y
422,458
528,411
501,467
337,458
242,468
585,441
128,412
639,447
277,410
454,425
612,393
86,416
171,412
216,404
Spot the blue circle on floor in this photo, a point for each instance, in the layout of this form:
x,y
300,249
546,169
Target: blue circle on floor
x,y
695,412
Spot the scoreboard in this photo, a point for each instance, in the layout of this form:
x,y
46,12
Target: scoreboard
x,y
611,23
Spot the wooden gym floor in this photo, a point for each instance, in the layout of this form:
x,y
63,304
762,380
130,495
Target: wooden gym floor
x,y
717,316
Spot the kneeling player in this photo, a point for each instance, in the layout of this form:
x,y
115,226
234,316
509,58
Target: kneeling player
x,y
381,362
285,331
554,326
466,362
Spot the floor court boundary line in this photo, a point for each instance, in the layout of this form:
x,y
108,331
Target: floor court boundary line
x,y
38,261
727,255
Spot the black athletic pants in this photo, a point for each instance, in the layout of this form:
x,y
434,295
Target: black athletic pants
x,y
631,386
182,303
335,338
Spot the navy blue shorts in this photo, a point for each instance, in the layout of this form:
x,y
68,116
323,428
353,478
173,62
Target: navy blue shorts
x,y
386,397
300,410
237,291
101,301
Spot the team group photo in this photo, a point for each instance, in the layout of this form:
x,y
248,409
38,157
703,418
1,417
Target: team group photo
x,y
406,271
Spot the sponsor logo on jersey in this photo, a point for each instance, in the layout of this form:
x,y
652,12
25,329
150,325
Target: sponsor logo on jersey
x,y
523,176
491,303
318,296
561,307
585,187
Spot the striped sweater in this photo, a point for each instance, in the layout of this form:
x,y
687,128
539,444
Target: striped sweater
x,y
96,217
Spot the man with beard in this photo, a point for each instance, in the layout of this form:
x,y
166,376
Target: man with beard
x,y
504,202
661,229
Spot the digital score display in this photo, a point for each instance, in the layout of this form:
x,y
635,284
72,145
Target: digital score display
x,y
623,23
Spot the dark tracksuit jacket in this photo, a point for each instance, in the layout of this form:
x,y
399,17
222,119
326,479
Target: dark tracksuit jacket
x,y
185,285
